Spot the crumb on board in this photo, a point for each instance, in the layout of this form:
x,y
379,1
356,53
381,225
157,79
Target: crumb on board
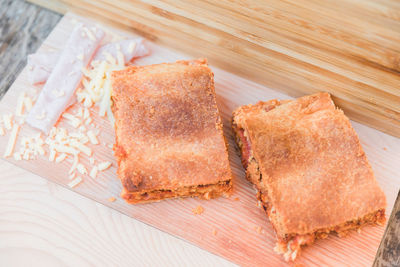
x,y
214,232
111,199
385,148
359,230
198,210
258,229
236,199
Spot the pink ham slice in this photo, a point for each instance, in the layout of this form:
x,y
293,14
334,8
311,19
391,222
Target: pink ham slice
x,y
40,65
56,94
131,48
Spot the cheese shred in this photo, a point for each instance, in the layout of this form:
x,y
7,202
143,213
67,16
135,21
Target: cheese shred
x,y
11,141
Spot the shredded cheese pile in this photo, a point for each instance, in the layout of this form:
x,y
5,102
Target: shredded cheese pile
x,y
59,144
97,84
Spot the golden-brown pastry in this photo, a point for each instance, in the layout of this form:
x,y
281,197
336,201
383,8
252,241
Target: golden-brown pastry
x,y
311,172
169,139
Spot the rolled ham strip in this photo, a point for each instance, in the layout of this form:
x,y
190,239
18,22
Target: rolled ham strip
x,y
65,77
130,49
40,65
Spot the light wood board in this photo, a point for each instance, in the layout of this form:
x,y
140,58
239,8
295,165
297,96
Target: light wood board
x,y
295,46
46,223
235,222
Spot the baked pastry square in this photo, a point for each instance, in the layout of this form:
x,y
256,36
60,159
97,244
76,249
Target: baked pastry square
x,y
169,138
312,175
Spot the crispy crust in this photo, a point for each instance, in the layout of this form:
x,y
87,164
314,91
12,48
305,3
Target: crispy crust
x,y
305,154
168,131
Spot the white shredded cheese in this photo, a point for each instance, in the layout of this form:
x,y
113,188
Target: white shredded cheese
x,y
2,132
17,156
86,113
92,138
74,164
72,120
88,121
109,58
21,121
20,104
81,169
103,166
85,149
8,121
75,182
61,157
65,149
79,113
52,155
91,160
89,34
28,103
93,172
120,59
72,175
11,141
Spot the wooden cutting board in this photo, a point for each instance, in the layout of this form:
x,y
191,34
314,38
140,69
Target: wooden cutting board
x,y
234,228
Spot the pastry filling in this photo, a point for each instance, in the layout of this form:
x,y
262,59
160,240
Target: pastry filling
x,y
290,245
203,191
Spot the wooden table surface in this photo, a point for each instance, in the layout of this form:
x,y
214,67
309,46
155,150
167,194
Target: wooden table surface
x,y
43,224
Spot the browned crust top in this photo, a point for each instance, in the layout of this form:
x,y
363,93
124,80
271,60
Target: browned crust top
x,y
313,167
168,129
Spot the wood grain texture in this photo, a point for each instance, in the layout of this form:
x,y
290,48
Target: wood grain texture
x,y
234,221
23,27
389,250
46,224
297,47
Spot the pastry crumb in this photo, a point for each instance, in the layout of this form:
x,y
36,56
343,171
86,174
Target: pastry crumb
x,y
236,199
111,199
198,210
258,229
385,148
214,232
359,230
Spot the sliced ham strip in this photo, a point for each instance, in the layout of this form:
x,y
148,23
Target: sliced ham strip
x,y
40,65
130,49
65,77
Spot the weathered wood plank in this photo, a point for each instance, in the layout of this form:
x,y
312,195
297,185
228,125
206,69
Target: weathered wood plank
x,y
388,254
23,27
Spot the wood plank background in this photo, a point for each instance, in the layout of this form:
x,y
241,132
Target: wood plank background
x,y
347,47
235,221
23,28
